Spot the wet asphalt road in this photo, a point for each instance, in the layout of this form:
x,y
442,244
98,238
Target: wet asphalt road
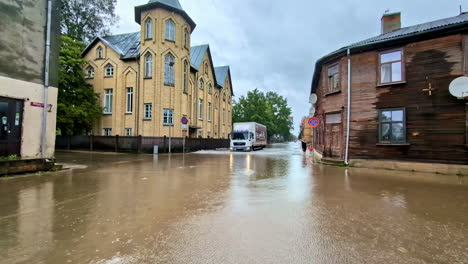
x,y
271,206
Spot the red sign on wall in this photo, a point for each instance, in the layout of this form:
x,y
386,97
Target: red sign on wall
x,y
37,104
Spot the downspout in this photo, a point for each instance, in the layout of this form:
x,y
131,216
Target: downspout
x,y
348,112
46,81
137,99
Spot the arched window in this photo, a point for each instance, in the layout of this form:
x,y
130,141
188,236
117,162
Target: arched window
x,y
89,72
186,38
109,70
149,29
202,84
210,88
148,65
206,67
185,77
99,53
170,30
169,69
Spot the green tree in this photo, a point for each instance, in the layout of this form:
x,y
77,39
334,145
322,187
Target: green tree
x,y
77,107
269,109
85,19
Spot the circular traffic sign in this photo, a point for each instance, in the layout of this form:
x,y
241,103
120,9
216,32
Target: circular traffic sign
x,y
314,122
184,120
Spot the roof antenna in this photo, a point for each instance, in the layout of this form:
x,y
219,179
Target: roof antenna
x,y
461,9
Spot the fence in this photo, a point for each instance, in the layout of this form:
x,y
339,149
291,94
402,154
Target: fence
x,y
138,144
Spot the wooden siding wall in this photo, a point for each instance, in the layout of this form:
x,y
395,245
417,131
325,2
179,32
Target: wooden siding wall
x,y
436,124
331,103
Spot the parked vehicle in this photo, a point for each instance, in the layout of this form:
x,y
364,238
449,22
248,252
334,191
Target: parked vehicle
x,y
248,136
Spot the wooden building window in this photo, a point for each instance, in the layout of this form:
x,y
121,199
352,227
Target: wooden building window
x,y
334,79
392,126
391,67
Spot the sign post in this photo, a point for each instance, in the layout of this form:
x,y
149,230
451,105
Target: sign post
x,y
184,122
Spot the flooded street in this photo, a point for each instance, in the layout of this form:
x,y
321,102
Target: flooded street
x,y
270,206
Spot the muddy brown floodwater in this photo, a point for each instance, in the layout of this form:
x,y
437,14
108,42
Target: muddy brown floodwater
x,y
271,206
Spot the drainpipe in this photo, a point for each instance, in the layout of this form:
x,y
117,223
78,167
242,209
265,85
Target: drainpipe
x,y
46,82
348,112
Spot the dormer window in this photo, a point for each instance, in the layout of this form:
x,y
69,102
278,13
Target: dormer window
x,y
149,29
170,30
99,53
89,73
109,70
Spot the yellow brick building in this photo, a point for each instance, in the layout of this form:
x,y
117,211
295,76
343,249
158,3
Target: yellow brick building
x,y
149,80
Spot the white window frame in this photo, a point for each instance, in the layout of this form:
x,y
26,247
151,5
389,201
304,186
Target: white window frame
x,y
90,72
109,70
128,132
149,65
108,100
107,132
209,111
129,103
169,69
168,117
149,28
148,111
170,30
200,109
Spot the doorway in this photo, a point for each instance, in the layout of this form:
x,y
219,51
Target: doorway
x,y
11,119
333,138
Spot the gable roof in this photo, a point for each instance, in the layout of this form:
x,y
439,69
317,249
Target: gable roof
x,y
126,45
222,73
423,31
170,5
196,55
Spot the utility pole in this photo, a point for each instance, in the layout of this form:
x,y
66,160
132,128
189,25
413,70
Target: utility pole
x,y
46,81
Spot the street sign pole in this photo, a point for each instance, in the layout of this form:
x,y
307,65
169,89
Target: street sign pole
x,y
184,122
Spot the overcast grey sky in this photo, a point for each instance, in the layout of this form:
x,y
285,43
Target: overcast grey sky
x,y
272,45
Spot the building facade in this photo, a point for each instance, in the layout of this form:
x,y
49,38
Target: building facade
x,y
23,87
400,107
149,80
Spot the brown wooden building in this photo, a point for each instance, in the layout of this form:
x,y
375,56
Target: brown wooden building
x,y
399,105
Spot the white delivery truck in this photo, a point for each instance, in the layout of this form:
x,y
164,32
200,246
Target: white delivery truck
x,y
248,136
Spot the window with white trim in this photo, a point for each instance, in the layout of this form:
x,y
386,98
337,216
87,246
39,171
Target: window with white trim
x,y
129,103
108,101
391,67
109,70
128,132
107,132
209,111
210,88
148,111
169,62
148,65
170,30
200,109
90,72
149,29
168,119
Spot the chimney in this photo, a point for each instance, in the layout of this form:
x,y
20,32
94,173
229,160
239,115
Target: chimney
x,y
391,22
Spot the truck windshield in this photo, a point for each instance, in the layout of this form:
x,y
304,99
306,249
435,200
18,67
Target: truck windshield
x,y
240,136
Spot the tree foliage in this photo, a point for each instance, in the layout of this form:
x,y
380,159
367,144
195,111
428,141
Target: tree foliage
x,y
77,107
85,19
269,109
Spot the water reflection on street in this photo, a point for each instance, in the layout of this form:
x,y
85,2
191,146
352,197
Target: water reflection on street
x,y
270,206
